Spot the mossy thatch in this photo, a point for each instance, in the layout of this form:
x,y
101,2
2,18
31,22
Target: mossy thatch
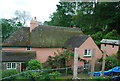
x,y
18,38
51,36
42,36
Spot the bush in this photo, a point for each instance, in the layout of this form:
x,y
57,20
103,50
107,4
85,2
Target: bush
x,y
34,64
9,72
0,73
111,61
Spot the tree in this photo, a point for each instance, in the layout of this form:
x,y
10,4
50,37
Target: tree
x,y
112,35
60,59
34,64
99,21
8,27
22,16
111,61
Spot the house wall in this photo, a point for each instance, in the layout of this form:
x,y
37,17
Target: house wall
x,y
14,48
109,50
43,53
88,44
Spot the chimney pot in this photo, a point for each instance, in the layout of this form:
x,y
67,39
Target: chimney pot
x,y
34,18
34,23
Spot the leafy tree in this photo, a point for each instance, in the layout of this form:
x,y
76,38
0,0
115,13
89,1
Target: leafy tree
x,y
111,61
34,64
60,59
8,27
39,75
112,35
99,20
97,37
9,72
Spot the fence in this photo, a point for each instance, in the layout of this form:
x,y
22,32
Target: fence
x,y
56,69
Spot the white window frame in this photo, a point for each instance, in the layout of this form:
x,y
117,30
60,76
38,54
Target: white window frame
x,y
87,52
105,45
27,49
11,65
113,46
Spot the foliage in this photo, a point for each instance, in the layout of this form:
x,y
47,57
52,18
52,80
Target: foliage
x,y
100,78
41,75
97,37
8,27
34,64
112,35
9,72
60,59
38,75
0,73
111,61
118,54
89,19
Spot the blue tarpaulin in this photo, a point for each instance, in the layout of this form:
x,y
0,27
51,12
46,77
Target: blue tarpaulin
x,y
115,69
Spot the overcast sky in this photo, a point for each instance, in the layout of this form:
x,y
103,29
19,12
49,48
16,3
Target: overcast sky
x,y
39,8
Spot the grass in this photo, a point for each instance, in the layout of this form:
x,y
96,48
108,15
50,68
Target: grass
x,y
80,75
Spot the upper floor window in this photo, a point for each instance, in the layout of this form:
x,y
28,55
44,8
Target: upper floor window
x,y
104,45
11,65
113,46
28,48
87,52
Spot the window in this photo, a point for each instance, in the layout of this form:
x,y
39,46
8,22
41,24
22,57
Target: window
x,y
11,65
113,46
104,45
28,48
86,65
87,52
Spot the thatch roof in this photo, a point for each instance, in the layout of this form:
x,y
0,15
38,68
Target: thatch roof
x,y
45,36
42,36
76,41
18,55
18,38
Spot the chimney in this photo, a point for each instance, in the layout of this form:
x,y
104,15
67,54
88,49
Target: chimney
x,y
33,24
74,26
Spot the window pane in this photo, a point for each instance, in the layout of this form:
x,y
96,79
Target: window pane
x,y
8,65
13,65
85,52
88,52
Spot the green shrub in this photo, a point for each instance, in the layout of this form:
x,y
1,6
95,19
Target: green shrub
x,y
0,73
9,72
111,61
34,64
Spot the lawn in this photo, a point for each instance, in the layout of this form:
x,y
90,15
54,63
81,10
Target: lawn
x,y
80,75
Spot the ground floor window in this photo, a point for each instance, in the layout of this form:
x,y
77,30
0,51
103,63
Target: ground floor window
x,y
86,65
11,65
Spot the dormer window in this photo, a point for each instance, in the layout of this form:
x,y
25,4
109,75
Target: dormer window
x,y
28,49
104,45
113,46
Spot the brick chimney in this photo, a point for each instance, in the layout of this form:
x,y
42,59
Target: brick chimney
x,y
33,24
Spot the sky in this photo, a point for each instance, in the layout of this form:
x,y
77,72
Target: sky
x,y
37,8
